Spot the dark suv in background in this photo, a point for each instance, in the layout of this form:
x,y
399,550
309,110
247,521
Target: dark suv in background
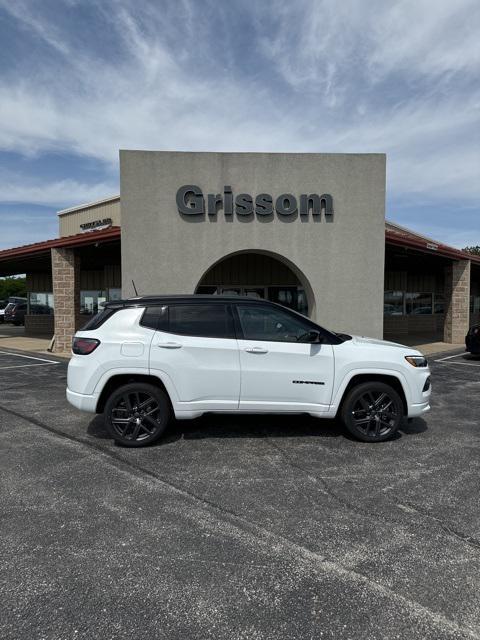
x,y
15,313
472,340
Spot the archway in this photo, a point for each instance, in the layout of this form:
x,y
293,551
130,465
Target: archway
x,y
259,274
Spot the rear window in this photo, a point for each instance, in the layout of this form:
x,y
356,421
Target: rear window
x,y
99,319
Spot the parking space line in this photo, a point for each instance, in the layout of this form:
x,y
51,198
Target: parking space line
x,y
40,362
23,366
457,355
462,364
20,355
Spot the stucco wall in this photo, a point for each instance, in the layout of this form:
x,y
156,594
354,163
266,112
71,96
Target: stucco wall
x,y
342,260
69,222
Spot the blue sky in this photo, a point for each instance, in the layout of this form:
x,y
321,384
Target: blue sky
x,y
80,79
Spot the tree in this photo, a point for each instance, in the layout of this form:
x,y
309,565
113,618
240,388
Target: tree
x,y
473,250
12,286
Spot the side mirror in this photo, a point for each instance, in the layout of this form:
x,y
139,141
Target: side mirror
x,y
312,337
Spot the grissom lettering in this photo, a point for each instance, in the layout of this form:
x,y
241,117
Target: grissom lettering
x,y
191,202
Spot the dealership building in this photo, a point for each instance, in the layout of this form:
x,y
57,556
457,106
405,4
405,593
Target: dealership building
x,y
305,230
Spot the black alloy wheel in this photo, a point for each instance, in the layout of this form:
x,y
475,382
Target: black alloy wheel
x,y
137,414
372,411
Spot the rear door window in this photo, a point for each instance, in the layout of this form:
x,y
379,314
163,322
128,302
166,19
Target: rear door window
x,y
155,318
202,320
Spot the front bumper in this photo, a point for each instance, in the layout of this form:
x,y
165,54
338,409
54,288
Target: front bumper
x,y
416,410
82,401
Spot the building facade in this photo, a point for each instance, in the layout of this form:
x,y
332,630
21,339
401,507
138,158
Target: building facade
x,y
305,230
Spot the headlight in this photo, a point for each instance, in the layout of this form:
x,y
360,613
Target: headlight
x,y
417,361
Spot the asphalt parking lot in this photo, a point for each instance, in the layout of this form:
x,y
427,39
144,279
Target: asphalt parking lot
x,y
237,528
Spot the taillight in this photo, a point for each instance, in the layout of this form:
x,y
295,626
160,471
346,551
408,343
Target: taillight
x,y
84,346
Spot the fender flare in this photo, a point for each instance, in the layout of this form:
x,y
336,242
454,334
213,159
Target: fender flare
x,y
141,371
392,373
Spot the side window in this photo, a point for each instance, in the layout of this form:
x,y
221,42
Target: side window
x,y
155,318
274,325
203,320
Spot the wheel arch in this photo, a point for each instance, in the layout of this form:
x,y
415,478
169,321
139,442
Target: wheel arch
x,y
387,378
118,380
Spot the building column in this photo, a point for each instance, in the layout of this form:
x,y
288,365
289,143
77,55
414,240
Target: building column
x,y
66,295
457,301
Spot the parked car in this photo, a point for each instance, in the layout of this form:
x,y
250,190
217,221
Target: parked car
x,y
472,340
142,360
3,304
15,312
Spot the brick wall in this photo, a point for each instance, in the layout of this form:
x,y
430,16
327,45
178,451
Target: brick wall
x,y
66,294
457,301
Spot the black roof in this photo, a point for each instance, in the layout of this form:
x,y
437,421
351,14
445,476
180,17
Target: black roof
x,y
142,301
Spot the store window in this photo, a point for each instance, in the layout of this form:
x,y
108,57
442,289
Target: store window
x,y
393,303
419,303
40,303
291,297
91,302
474,304
115,294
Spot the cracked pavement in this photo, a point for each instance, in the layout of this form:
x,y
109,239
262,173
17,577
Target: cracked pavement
x,y
244,527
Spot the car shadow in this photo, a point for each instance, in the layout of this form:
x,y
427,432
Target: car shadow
x,y
474,357
212,425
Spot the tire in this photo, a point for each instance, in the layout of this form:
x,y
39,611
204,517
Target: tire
x,y
137,414
372,411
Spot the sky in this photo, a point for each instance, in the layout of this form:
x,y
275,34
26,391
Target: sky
x,y
81,79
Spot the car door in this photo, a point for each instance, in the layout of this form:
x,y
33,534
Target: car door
x,y
196,348
279,373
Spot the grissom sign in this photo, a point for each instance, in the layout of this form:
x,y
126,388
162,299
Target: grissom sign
x,y
191,202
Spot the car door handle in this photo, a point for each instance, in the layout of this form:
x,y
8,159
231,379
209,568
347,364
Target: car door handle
x,y
256,350
169,345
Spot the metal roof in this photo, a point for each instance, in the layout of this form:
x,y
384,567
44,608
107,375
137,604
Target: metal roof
x,y
88,205
395,234
77,240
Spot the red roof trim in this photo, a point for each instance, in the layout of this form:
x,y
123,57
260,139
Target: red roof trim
x,y
78,240
407,239
394,236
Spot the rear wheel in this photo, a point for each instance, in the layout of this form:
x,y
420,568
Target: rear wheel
x,y
372,411
137,414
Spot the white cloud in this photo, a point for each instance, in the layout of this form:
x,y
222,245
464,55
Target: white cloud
x,y
326,78
55,194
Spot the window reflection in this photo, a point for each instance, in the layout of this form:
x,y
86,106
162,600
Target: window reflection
x,y
91,301
419,303
40,303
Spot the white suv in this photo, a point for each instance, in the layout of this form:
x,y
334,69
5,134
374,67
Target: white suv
x,y
141,360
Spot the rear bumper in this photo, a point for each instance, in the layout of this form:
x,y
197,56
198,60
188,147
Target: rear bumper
x,y
472,344
82,401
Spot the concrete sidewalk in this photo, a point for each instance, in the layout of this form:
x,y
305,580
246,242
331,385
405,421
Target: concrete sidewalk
x,y
14,338
421,343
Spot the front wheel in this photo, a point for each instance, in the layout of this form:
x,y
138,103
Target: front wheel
x,y
137,414
372,411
